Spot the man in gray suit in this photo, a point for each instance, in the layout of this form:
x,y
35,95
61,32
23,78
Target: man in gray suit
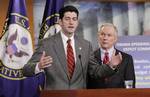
x,y
52,56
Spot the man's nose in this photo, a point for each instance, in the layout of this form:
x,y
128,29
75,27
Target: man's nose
x,y
105,36
71,21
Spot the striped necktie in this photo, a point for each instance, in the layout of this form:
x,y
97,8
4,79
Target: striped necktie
x,y
106,61
70,59
106,58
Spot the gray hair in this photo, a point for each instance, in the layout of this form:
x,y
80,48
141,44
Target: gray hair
x,y
108,24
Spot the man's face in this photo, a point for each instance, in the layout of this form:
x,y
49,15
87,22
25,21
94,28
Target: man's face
x,y
107,37
69,23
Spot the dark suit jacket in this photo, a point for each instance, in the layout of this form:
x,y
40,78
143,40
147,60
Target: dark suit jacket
x,y
57,74
125,72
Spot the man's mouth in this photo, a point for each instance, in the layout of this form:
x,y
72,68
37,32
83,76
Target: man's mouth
x,y
71,27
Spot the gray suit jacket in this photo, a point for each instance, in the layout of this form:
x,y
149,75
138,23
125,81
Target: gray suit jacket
x,y
57,74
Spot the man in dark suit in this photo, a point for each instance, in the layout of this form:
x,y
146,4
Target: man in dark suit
x,y
107,36
66,58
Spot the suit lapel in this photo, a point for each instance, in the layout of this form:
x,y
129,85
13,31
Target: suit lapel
x,y
60,52
78,50
97,54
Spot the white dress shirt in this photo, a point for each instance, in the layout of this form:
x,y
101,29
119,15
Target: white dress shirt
x,y
65,39
110,51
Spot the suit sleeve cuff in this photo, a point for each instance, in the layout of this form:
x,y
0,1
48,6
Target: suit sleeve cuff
x,y
37,70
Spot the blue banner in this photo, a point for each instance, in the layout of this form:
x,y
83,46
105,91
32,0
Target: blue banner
x,y
50,18
139,48
16,49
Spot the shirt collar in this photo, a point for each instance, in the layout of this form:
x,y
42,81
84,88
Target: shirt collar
x,y
65,38
110,51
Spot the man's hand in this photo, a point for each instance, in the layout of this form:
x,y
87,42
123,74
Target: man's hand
x,y
115,60
45,61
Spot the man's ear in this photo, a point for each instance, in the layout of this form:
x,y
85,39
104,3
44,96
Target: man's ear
x,y
59,22
116,39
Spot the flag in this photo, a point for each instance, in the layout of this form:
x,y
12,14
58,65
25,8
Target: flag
x,y
50,18
16,49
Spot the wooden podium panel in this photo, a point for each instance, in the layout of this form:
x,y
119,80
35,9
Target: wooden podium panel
x,y
97,93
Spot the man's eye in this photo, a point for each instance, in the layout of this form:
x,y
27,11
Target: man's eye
x,y
102,34
67,19
109,35
75,19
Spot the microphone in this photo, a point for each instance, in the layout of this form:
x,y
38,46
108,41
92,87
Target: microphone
x,y
82,69
79,57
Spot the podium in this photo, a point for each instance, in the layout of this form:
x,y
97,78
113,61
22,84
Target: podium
x,y
97,93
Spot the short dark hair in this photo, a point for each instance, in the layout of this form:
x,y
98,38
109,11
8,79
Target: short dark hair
x,y
68,8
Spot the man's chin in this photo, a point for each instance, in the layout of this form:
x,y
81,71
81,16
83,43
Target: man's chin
x,y
105,47
71,32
